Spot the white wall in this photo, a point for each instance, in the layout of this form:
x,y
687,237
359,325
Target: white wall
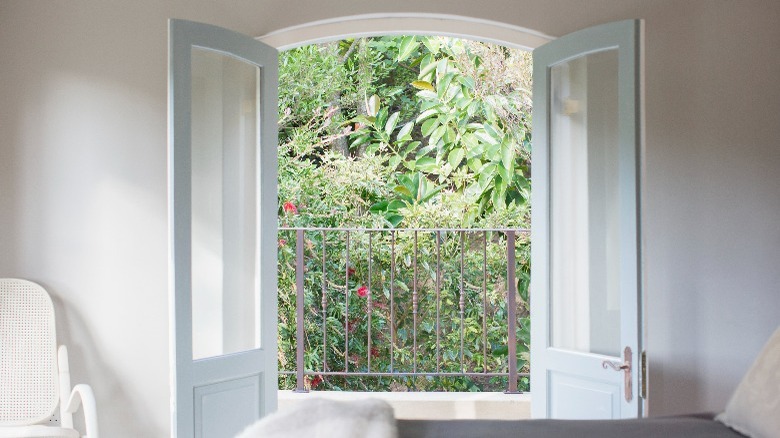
x,y
83,178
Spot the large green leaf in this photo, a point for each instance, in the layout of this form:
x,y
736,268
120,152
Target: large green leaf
x,y
392,121
395,205
485,137
410,148
475,164
432,44
426,164
486,175
505,173
403,190
437,134
394,219
455,157
424,115
408,45
494,132
394,161
423,151
443,84
372,105
403,134
427,95
467,81
508,156
427,67
379,207
450,135
423,85
452,93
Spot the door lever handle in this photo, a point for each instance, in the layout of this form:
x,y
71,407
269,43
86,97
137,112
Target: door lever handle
x,y
617,366
624,366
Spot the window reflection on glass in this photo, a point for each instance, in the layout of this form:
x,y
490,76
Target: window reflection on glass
x,y
584,231
225,298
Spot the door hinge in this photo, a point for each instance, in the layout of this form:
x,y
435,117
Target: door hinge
x,y
643,375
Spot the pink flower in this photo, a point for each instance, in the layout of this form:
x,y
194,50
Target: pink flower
x,y
282,242
362,291
289,207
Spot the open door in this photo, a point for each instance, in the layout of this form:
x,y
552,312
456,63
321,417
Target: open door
x,y
586,285
222,157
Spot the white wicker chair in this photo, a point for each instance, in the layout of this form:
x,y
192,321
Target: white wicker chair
x,y
34,374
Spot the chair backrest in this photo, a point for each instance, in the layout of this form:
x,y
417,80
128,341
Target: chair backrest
x,y
28,353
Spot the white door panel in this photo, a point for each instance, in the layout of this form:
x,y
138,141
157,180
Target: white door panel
x,y
222,146
585,290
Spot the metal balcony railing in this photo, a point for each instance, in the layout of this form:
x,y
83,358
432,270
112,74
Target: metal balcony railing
x,y
318,261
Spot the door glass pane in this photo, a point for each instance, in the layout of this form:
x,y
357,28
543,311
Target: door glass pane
x,y
225,298
584,231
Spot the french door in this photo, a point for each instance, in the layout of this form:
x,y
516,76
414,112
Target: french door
x,y
585,294
222,176
586,288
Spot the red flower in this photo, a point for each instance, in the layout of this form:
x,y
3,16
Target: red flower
x,y
362,291
374,352
351,271
282,242
315,382
289,207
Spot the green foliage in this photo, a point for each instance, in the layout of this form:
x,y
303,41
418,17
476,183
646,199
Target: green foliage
x,y
406,131
472,136
359,297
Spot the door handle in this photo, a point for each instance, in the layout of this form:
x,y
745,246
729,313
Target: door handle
x,y
617,366
624,366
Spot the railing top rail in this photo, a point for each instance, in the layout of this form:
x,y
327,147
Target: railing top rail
x,y
426,230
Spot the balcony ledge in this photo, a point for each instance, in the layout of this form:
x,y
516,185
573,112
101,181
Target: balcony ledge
x,y
433,405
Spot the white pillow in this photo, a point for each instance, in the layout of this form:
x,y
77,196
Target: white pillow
x,y
315,417
754,408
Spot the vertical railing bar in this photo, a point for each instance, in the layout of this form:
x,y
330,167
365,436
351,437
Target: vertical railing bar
x,y
370,293
392,300
462,301
299,303
324,308
511,304
438,299
346,311
484,301
414,307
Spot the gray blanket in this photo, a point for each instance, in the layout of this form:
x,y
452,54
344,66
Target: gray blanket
x,y
696,426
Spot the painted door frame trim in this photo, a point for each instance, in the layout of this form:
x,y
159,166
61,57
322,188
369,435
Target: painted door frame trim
x,y
405,23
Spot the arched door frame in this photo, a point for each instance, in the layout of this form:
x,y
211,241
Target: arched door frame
x,y
405,24
367,25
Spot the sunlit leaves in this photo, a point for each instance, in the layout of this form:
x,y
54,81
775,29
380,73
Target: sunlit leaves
x,y
423,85
407,47
372,105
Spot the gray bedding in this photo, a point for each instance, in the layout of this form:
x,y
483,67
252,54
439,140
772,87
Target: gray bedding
x,y
694,426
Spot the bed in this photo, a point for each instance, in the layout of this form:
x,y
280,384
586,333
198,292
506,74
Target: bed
x,y
691,426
